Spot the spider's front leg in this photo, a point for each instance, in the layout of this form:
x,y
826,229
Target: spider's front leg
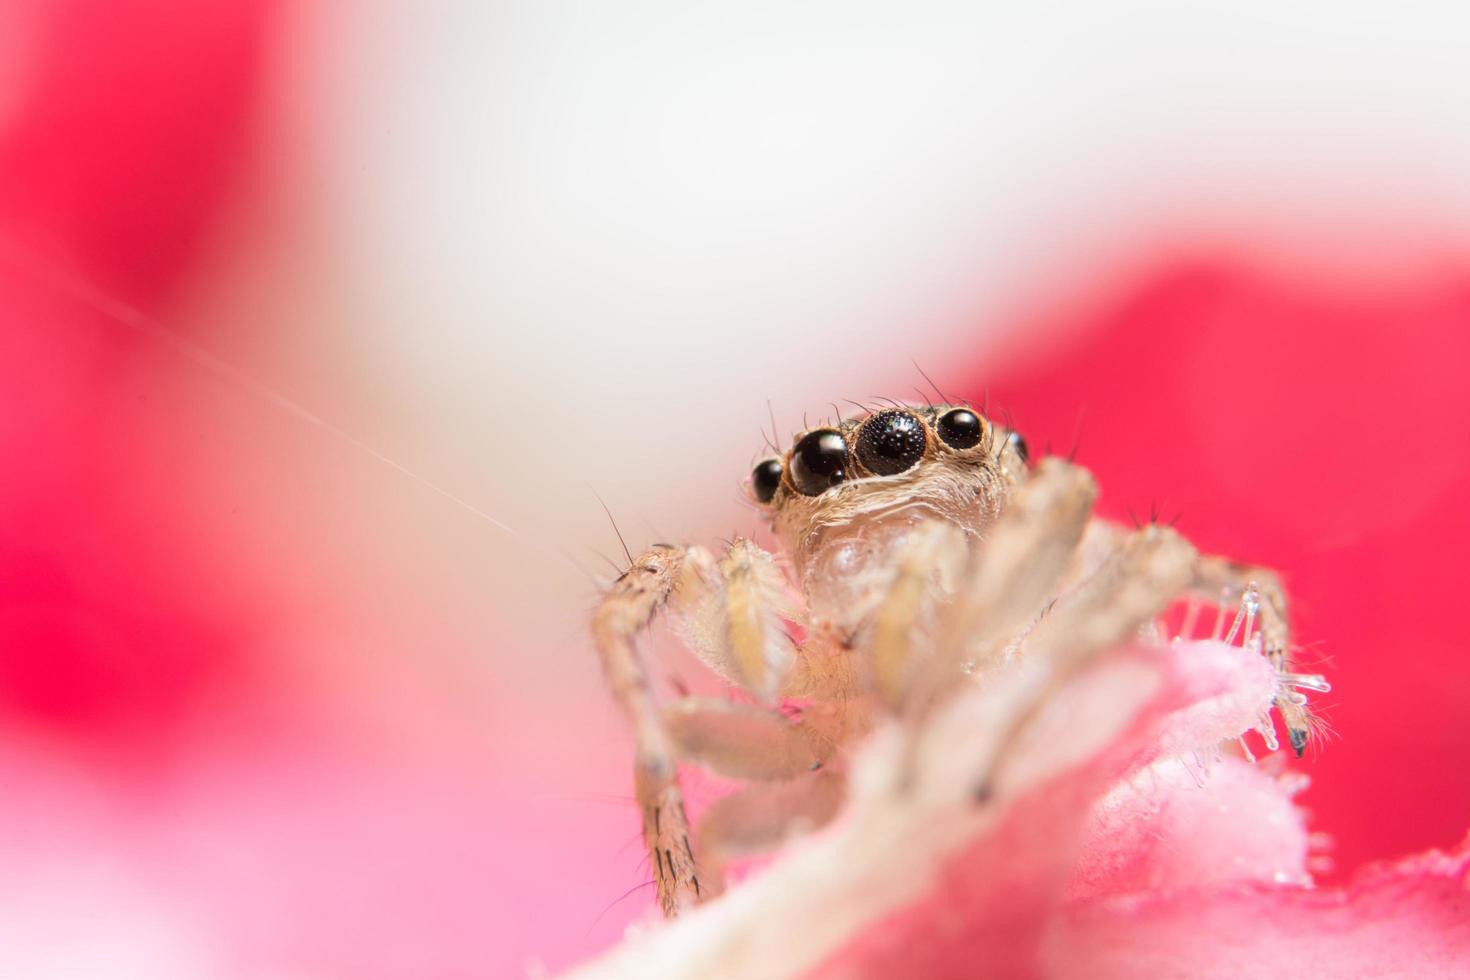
x,y
731,613
1224,581
999,592
1020,568
625,611
791,786
1025,587
1135,583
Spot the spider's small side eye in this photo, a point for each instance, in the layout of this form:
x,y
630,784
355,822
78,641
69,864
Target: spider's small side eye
x,y
1018,443
960,428
819,461
891,442
765,479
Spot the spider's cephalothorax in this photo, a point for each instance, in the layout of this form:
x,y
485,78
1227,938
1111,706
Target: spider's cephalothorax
x,y
849,496
923,550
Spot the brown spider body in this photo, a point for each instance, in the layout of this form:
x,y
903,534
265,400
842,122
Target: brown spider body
x,y
924,551
839,540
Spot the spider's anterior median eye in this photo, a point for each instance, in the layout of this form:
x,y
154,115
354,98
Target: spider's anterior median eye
x,y
765,479
819,461
960,428
891,442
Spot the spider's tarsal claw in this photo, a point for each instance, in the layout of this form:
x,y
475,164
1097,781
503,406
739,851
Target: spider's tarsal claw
x,y
1298,741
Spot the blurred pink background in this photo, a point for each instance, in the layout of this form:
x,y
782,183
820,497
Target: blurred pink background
x,y
269,707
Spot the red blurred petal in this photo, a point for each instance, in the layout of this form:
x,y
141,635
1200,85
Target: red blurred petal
x,y
135,123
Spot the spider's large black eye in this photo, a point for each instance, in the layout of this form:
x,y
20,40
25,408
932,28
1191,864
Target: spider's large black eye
x,y
960,428
819,461
765,479
891,442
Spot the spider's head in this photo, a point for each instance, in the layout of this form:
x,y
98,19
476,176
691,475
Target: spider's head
x,y
892,467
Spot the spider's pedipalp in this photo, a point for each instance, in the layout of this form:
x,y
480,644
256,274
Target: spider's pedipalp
x,y
928,565
734,619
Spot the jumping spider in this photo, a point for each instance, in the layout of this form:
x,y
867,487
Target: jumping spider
x,y
924,548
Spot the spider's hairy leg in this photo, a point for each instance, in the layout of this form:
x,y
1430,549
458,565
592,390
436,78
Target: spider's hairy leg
x,y
741,741
1026,554
625,611
1151,568
794,790
730,611
1220,579
760,817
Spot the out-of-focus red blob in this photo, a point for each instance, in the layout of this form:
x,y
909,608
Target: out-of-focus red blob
x,y
132,127
1320,431
208,773
134,120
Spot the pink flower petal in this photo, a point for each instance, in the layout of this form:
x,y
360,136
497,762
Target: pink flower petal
x,y
1409,919
929,859
1106,855
1160,831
